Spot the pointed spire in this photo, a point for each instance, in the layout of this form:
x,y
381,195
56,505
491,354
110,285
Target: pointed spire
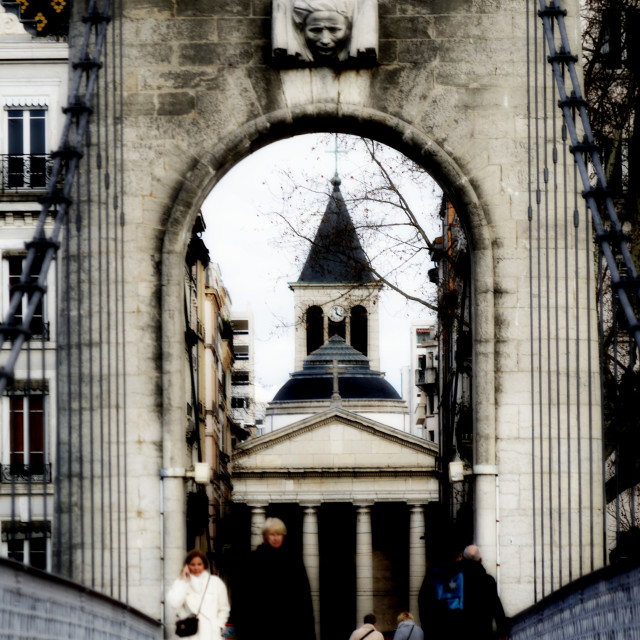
x,y
336,254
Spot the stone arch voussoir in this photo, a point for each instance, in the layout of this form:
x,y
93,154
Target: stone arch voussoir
x,y
414,143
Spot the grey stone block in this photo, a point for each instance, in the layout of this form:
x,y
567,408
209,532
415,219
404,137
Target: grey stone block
x,y
148,55
183,30
417,51
243,29
215,8
175,104
387,51
139,104
405,28
433,7
222,53
261,8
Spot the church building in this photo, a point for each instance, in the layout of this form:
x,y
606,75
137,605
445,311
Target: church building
x,y
336,460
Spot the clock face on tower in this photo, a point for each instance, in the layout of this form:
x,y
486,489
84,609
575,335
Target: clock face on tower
x,y
337,313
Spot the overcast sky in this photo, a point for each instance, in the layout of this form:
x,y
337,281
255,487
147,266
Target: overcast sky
x,y
244,237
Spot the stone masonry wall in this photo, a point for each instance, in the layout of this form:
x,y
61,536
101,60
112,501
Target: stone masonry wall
x,y
450,90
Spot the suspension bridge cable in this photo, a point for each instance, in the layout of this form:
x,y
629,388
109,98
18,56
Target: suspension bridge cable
x,y
531,307
626,286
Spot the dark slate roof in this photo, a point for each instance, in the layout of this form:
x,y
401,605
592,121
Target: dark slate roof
x,y
356,380
336,253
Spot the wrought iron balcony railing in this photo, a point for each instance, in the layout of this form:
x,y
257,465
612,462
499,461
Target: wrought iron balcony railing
x,y
18,472
38,330
25,172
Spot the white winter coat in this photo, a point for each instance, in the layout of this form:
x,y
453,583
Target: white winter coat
x,y
184,598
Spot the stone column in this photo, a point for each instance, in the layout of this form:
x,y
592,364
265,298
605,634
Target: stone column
x,y
257,524
364,563
417,559
311,557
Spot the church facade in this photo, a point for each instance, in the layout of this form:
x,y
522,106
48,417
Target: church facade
x,y
335,461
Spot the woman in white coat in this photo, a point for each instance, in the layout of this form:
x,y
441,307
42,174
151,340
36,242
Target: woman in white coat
x,y
195,586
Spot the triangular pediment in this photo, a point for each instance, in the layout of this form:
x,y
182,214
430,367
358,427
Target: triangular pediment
x,y
335,440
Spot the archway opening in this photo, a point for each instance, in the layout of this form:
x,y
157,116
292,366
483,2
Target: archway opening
x,y
262,247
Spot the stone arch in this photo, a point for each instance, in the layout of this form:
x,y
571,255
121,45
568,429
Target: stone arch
x,y
415,144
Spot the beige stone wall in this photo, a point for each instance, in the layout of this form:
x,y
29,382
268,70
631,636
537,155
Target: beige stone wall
x,y
450,91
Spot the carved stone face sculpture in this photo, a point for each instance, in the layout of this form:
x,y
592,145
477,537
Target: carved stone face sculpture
x,y
327,34
335,33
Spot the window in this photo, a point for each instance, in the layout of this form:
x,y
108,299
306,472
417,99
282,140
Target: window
x,y
241,351
315,329
27,437
337,328
239,403
28,542
239,379
27,160
13,268
240,327
359,329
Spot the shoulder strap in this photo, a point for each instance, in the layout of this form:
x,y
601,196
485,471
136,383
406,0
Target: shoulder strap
x,y
366,634
413,626
203,594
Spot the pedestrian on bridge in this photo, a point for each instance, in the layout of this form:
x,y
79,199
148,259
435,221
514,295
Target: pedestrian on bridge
x,y
367,630
407,628
199,592
272,597
459,598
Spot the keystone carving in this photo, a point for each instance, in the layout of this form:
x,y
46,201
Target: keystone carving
x,y
325,32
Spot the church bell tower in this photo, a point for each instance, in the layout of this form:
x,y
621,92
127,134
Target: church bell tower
x,y
336,293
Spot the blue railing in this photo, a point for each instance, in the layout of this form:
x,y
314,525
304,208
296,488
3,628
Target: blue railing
x,y
603,604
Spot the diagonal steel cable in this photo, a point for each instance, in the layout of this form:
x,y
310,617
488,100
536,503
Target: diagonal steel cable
x,y
610,241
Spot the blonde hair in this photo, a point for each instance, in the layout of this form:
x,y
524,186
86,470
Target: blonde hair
x,y
405,615
274,525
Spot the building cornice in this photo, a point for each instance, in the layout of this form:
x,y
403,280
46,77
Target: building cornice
x,y
352,286
357,405
355,472
28,51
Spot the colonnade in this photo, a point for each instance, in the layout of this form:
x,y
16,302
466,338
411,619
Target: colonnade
x,y
364,553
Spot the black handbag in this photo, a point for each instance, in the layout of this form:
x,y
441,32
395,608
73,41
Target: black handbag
x,y
188,626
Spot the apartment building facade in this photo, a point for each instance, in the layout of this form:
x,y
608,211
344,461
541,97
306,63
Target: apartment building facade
x,y
33,91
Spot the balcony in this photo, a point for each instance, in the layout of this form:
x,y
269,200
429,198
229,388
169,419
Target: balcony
x,y
38,330
426,376
19,173
19,472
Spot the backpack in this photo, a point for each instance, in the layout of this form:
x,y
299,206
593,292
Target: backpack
x,y
450,590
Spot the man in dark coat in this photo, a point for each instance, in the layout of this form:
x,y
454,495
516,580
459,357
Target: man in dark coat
x,y
272,600
459,600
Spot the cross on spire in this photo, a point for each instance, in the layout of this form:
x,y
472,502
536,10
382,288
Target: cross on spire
x,y
336,151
